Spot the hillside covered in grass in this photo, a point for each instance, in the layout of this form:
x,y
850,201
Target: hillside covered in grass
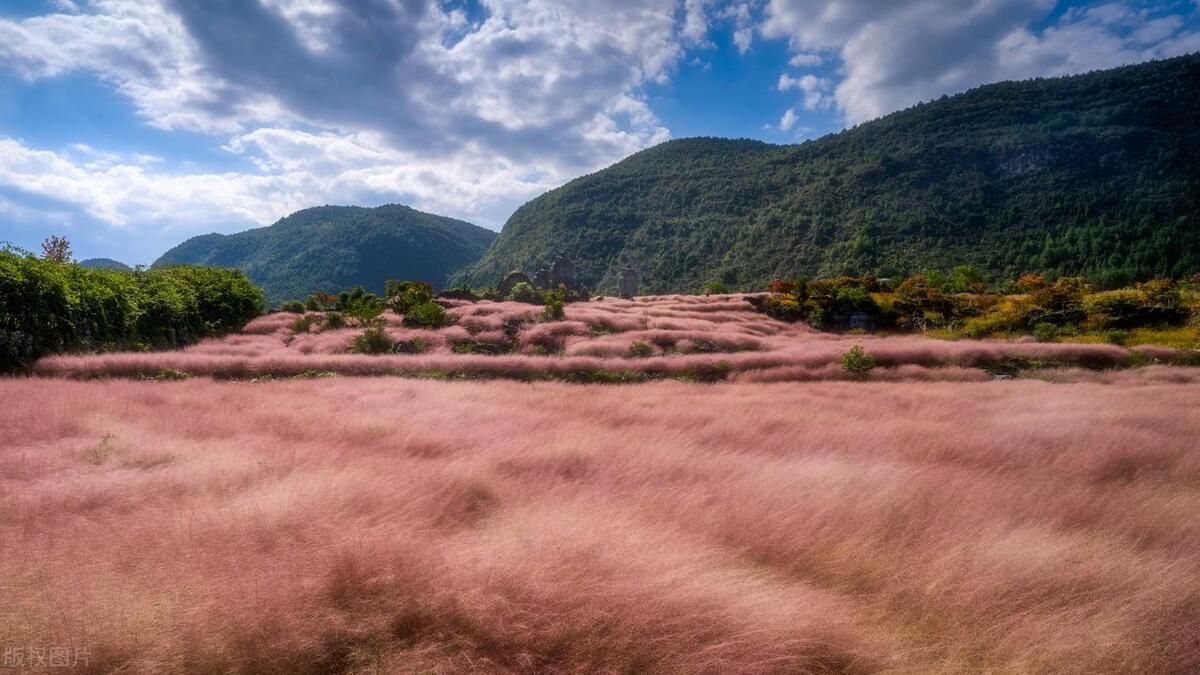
x,y
1097,174
331,248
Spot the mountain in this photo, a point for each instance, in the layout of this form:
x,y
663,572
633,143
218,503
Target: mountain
x,y
1096,174
332,248
105,264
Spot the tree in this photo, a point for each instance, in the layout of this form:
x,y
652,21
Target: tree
x,y
56,249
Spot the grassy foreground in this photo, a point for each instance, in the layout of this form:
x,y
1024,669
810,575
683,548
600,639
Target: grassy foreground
x,y
355,525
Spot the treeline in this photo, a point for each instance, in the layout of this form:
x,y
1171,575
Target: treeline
x,y
49,307
962,302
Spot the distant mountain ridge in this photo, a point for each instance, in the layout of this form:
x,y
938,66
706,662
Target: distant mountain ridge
x,y
105,264
1096,174
332,248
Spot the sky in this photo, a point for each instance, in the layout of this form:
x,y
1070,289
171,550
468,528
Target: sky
x,y
130,125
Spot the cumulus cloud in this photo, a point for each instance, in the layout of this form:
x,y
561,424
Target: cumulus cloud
x,y
788,120
893,53
335,99
815,89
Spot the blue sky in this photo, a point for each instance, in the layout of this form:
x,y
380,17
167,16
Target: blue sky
x,y
130,125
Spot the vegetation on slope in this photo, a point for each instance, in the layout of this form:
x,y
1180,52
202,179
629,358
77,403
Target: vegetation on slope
x,y
1097,174
332,248
961,305
47,306
105,264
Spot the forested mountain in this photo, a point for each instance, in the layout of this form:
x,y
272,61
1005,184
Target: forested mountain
x,y
105,264
332,248
1096,174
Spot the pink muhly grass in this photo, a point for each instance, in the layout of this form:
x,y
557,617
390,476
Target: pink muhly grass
x,y
404,525
686,334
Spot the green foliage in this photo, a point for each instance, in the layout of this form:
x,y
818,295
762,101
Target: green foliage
x,y
337,247
1045,332
858,362
1116,337
293,306
333,321
524,292
402,296
304,322
554,309
715,288
426,315
373,340
105,264
48,307
1093,174
360,305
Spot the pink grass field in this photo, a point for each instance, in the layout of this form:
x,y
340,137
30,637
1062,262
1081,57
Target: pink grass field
x,y
928,520
400,525
687,336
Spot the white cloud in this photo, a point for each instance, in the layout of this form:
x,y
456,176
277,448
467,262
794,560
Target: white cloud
x,y
815,89
335,100
893,53
788,120
803,60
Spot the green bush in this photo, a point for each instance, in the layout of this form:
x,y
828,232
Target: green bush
x,y
1045,332
333,321
525,292
48,307
304,322
858,362
554,309
293,306
372,341
362,306
402,296
715,288
428,314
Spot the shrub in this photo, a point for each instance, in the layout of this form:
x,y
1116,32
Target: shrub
x,y
1045,332
333,321
781,307
640,349
525,292
1028,283
858,362
402,296
782,287
427,314
372,341
304,322
48,307
715,287
554,310
293,306
319,302
360,305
